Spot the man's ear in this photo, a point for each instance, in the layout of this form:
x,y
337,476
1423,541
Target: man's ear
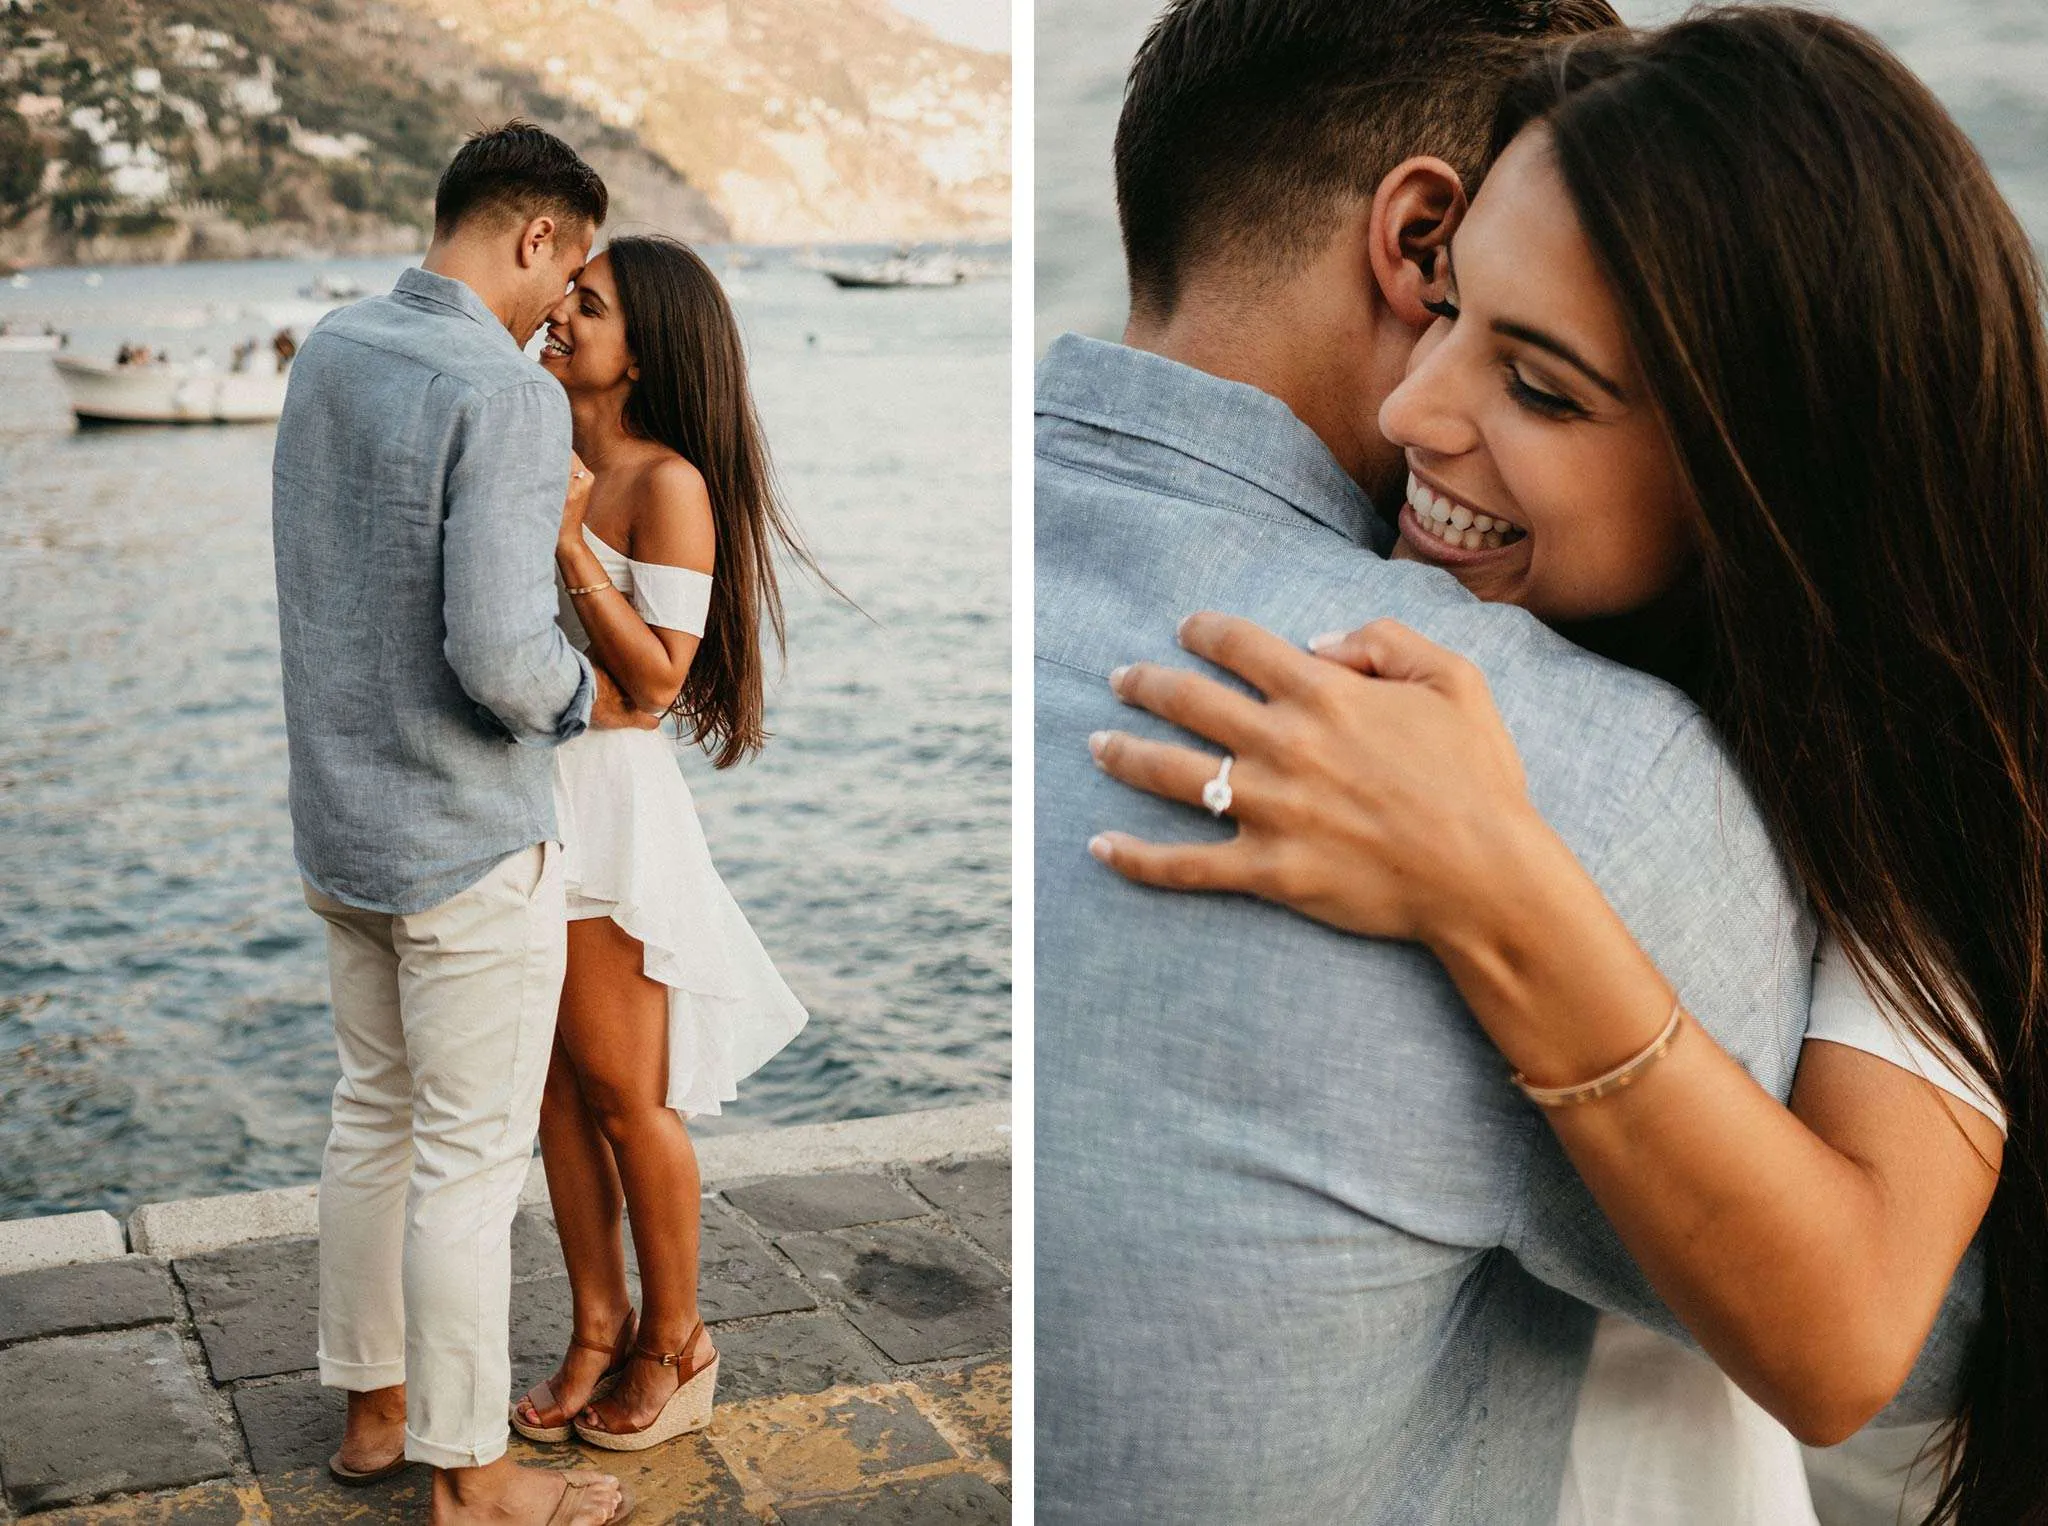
x,y
538,234
1414,212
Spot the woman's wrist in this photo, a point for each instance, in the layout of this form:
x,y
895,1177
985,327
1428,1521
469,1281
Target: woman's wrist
x,y
1476,914
1553,975
577,562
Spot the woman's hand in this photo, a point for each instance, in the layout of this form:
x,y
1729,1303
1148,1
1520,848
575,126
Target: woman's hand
x,y
576,503
1373,788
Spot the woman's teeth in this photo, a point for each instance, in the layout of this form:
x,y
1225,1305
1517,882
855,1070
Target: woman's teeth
x,y
1455,525
554,346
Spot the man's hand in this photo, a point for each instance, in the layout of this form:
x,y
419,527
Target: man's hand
x,y
610,710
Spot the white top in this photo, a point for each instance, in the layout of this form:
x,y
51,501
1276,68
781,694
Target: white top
x,y
1844,1012
674,598
1662,1437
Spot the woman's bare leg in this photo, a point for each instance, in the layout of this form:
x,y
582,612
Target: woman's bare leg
x,y
583,1185
615,1028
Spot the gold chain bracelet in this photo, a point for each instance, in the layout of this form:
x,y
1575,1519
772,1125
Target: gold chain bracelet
x,y
1610,1081
577,593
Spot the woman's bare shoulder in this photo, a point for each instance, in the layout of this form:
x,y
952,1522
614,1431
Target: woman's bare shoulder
x,y
672,519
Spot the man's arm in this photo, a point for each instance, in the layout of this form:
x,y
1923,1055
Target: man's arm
x,y
504,504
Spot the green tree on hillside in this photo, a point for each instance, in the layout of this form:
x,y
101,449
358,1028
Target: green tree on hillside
x,y
21,165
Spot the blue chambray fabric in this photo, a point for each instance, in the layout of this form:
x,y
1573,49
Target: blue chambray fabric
x,y
1303,1254
417,487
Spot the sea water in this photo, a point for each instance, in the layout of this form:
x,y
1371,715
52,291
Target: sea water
x,y
164,1027
1986,59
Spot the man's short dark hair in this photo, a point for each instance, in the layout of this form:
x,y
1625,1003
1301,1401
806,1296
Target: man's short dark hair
x,y
519,171
1248,123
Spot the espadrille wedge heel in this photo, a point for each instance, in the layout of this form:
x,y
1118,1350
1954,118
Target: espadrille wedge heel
x,y
688,1408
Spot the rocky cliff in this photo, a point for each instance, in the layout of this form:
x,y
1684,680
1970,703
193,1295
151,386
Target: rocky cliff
x,y
167,129
801,119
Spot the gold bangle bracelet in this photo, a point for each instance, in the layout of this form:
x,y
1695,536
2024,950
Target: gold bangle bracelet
x,y
577,593
1610,1081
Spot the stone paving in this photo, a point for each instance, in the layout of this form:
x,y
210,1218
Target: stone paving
x,y
863,1319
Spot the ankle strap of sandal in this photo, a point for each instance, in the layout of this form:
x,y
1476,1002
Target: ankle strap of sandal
x,y
671,1358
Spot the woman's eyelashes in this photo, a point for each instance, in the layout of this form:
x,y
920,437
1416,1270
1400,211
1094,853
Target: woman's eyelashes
x,y
1536,400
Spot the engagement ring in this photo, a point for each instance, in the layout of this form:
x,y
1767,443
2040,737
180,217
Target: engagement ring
x,y
1216,793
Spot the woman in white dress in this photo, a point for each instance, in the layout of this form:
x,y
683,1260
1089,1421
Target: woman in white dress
x,y
1740,376
667,576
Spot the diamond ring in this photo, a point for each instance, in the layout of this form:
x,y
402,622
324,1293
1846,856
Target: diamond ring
x,y
1216,793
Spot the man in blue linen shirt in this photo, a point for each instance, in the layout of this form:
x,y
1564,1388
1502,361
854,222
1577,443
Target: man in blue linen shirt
x,y
420,473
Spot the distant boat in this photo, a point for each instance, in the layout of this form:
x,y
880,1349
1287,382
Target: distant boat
x,y
166,393
330,287
29,344
900,270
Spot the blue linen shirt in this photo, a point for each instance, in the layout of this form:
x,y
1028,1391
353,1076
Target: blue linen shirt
x,y
1303,1253
417,488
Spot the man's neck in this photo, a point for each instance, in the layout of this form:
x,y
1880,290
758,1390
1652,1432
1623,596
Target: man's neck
x,y
459,261
1295,357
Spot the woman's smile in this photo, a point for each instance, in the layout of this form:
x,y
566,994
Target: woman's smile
x,y
1445,530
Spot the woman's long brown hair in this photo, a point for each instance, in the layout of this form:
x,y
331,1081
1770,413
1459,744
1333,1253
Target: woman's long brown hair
x,y
693,397
1841,322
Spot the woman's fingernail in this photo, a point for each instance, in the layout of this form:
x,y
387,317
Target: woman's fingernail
x,y
1116,678
1098,848
1325,641
1097,742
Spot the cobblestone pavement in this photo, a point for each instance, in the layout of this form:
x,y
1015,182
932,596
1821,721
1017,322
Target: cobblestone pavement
x,y
863,1318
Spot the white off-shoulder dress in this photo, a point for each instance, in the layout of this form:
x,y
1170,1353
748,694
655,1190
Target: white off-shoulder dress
x,y
1662,1437
634,851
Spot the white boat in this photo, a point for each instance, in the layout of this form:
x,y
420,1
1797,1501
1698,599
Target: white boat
x,y
30,344
167,393
900,270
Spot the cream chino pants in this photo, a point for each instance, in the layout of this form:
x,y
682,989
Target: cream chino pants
x,y
444,1021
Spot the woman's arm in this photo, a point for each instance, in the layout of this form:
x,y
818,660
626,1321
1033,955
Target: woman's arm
x,y
1808,1249
672,527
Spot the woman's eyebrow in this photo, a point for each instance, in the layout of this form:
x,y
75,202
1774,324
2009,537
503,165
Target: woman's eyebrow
x,y
602,305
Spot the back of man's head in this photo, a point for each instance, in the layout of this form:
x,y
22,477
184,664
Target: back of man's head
x,y
1248,124
513,174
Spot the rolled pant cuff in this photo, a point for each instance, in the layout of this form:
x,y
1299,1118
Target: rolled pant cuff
x,y
360,1377
435,1455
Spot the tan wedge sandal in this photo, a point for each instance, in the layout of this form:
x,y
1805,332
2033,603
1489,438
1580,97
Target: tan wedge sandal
x,y
688,1408
620,1351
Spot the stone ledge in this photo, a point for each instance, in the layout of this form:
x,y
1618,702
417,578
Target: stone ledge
x,y
62,1239
196,1225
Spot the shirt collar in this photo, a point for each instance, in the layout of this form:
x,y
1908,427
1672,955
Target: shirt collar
x,y
423,286
1229,426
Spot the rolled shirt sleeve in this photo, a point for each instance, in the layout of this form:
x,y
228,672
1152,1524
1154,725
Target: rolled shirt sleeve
x,y
504,506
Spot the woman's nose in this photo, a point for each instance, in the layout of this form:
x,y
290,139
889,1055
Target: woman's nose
x,y
1430,410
